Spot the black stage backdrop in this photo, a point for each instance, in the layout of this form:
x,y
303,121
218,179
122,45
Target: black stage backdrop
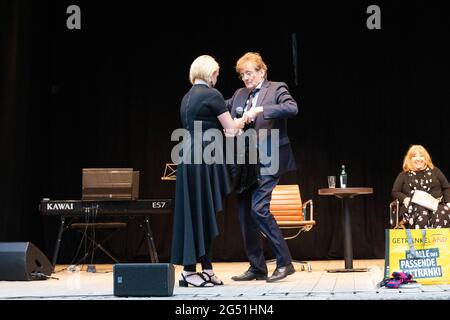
x,y
108,96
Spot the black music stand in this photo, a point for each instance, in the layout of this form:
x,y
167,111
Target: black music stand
x,y
170,172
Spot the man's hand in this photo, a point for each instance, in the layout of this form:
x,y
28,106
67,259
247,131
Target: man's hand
x,y
252,113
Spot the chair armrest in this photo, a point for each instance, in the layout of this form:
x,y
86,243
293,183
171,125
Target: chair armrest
x,y
311,209
393,213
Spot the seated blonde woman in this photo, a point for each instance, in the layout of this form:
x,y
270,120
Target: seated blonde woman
x,y
419,173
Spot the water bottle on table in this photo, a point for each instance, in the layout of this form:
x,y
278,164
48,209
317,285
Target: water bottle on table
x,y
343,177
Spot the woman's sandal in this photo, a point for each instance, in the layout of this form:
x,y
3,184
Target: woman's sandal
x,y
185,281
212,279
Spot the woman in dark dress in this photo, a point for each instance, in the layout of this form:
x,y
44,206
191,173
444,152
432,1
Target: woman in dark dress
x,y
419,173
201,183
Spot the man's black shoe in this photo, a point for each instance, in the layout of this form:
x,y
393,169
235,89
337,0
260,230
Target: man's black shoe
x,y
249,275
281,273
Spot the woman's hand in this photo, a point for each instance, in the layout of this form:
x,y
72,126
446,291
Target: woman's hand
x,y
239,123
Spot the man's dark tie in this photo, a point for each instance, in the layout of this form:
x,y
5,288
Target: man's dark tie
x,y
250,98
246,175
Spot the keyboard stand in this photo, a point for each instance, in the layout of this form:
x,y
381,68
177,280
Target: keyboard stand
x,y
148,235
62,228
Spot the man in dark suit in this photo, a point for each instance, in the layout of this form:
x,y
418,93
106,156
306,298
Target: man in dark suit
x,y
267,105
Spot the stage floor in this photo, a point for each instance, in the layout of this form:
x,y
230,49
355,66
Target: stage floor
x,y
302,285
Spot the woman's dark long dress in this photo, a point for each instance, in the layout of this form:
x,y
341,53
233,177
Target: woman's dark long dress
x,y
200,188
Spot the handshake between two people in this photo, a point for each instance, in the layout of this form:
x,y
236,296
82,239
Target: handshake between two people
x,y
252,114
242,119
247,117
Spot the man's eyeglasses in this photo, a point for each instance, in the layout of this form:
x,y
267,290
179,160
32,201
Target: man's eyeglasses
x,y
247,73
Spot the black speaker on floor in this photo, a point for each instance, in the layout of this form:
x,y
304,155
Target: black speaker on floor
x,y
23,261
143,279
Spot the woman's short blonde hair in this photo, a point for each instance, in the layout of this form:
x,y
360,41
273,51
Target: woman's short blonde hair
x,y
254,58
407,162
202,68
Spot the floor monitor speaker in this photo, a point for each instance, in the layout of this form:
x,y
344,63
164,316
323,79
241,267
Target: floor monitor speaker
x,y
144,279
23,261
